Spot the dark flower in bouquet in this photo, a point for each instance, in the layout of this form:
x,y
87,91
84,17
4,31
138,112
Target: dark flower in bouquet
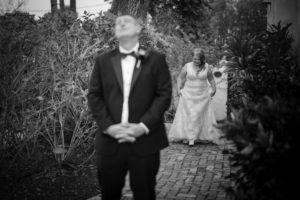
x,y
217,74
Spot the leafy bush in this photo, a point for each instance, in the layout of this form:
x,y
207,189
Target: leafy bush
x,y
261,65
237,17
242,54
263,129
18,42
267,141
273,69
44,103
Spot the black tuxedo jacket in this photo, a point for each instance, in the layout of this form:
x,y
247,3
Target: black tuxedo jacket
x,y
150,97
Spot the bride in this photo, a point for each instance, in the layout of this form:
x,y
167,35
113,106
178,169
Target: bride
x,y
194,116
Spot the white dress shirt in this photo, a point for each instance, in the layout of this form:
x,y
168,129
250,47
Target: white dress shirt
x,y
127,65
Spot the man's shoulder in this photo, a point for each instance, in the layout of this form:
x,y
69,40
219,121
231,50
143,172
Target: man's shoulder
x,y
105,54
156,53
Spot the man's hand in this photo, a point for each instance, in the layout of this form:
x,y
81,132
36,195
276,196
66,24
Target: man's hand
x,y
136,130
121,133
125,132
125,137
116,129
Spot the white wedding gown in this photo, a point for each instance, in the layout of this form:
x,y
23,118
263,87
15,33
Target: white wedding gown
x,y
220,99
194,118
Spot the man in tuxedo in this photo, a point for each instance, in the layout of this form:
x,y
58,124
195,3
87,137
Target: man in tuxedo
x,y
130,89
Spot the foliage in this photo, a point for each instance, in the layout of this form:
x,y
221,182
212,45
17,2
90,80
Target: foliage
x,y
208,22
205,22
223,18
274,70
54,24
267,141
262,65
186,17
18,33
242,54
251,17
246,17
263,129
44,102
46,68
19,38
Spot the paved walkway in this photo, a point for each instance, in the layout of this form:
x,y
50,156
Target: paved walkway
x,y
190,173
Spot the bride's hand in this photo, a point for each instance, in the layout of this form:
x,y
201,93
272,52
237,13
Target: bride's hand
x,y
180,92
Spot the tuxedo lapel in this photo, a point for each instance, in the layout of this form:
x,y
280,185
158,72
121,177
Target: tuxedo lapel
x,y
116,61
135,75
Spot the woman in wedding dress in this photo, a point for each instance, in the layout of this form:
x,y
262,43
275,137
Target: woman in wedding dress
x,y
194,118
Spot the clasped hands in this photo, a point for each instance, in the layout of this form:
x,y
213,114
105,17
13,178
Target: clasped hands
x,y
125,132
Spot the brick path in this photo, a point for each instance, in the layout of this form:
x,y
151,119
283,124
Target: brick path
x,y
190,173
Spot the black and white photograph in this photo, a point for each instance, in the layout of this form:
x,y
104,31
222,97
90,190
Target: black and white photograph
x,y
149,99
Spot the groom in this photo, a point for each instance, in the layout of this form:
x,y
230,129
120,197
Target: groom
x,y
130,89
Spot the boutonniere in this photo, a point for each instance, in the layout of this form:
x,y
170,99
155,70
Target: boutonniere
x,y
142,54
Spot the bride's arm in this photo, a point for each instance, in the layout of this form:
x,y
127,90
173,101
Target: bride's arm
x,y
181,79
211,81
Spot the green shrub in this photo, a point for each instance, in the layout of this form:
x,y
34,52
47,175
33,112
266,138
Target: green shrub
x,y
261,65
263,129
273,69
18,43
242,54
267,141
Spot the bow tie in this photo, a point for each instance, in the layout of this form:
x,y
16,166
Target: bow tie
x,y
124,55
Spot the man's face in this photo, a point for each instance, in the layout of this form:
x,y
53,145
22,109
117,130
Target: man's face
x,y
126,26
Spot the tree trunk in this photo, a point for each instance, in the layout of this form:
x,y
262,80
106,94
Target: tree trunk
x,y
135,8
53,6
62,5
73,5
